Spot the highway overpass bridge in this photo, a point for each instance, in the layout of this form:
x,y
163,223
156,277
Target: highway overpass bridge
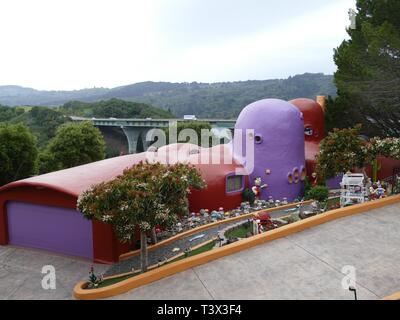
x,y
135,130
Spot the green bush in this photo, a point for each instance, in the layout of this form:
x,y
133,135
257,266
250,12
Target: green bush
x,y
318,193
248,196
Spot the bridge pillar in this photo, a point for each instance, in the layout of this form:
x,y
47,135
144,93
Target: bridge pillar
x,y
132,134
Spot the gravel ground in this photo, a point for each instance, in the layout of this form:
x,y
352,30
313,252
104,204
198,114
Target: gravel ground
x,y
155,256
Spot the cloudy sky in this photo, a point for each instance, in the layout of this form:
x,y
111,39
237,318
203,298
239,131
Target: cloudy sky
x,y
74,44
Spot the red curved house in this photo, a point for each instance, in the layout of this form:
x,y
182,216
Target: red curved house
x,y
40,212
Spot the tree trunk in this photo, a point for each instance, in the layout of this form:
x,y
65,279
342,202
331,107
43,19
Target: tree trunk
x,y
143,251
153,236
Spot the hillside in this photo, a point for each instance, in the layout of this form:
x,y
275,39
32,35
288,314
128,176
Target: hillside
x,y
216,100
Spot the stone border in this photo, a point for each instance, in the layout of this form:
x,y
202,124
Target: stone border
x,y
185,234
203,258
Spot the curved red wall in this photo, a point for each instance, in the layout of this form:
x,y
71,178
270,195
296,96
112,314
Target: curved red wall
x,y
215,195
313,118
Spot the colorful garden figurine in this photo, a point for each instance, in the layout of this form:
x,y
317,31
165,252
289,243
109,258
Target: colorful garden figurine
x,y
285,202
271,201
94,280
380,191
216,215
258,187
277,203
314,180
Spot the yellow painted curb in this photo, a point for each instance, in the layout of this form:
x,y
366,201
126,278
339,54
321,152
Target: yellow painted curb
x,y
393,297
185,234
203,258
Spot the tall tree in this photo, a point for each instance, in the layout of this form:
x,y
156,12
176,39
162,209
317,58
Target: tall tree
x,y
18,153
368,75
74,144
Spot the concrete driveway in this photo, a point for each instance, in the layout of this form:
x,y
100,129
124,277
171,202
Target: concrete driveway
x,y
21,277
307,265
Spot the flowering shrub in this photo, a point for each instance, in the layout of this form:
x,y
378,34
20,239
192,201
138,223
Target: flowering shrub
x,y
344,150
146,195
341,151
387,147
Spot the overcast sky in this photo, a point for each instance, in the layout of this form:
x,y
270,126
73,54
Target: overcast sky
x,y
74,44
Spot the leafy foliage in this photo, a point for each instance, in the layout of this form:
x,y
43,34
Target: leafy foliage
x,y
7,113
74,144
344,150
146,195
42,121
318,193
368,75
341,151
114,108
18,153
248,196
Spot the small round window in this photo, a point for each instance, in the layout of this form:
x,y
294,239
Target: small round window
x,y
290,178
303,173
258,138
308,131
296,175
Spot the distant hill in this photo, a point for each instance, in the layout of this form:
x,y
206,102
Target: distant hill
x,y
216,100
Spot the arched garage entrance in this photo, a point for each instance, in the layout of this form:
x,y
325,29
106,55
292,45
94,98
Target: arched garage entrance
x,y
55,229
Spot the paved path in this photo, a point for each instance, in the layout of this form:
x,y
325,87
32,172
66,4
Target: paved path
x,y
21,277
303,266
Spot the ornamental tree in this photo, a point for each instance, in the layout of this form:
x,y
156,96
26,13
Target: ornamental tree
x,y
146,195
340,152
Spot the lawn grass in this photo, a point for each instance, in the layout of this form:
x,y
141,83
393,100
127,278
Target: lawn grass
x,y
109,282
241,232
205,248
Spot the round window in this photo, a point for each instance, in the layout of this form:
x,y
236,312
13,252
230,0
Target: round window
x,y
303,173
308,131
296,175
258,138
290,178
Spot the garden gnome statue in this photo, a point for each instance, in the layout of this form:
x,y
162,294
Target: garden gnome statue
x,y
314,181
258,187
380,191
285,201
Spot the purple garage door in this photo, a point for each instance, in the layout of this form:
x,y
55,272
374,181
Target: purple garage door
x,y
54,229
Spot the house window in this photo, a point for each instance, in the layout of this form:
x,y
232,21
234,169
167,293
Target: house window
x,y
234,183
